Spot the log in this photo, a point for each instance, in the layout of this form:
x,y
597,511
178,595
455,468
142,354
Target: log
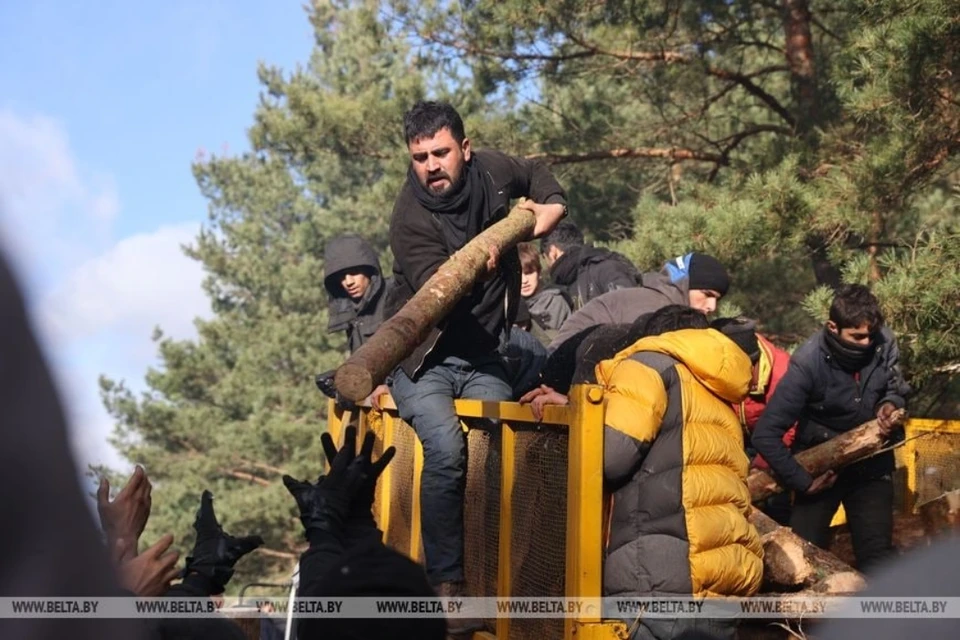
x,y
399,336
790,563
836,453
941,516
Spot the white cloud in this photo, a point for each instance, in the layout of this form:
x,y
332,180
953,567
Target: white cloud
x,y
47,201
95,301
100,319
142,281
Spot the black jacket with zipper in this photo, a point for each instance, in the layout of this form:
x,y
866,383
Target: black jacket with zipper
x,y
420,246
825,401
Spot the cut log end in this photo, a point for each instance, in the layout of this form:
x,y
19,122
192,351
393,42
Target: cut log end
x,y
353,381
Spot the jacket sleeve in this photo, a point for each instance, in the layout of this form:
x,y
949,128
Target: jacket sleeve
x,y
532,179
418,249
636,402
897,388
591,314
785,408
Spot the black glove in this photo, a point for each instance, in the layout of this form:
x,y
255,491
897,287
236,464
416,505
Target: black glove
x,y
324,506
360,516
210,565
325,383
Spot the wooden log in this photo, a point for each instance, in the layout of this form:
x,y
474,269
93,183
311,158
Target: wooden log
x,y
790,563
399,336
941,516
835,453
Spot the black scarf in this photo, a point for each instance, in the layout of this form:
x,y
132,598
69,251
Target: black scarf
x,y
462,209
850,357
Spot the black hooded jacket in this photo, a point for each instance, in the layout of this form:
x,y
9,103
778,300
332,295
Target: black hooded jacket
x,y
587,272
359,318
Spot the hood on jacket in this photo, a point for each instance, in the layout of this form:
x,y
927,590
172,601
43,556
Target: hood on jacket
x,y
346,252
713,358
677,291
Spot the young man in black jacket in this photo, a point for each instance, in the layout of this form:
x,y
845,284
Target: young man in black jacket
x,y
583,270
451,194
843,376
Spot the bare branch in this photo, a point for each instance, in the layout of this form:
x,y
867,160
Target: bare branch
x,y
273,553
670,153
242,475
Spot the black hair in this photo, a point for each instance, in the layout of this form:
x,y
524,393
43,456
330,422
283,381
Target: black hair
x,y
425,119
674,317
564,235
853,305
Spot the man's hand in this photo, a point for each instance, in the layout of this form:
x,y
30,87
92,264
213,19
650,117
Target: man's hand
x,y
542,396
361,506
215,553
822,482
149,574
548,216
493,260
885,418
126,516
326,505
374,396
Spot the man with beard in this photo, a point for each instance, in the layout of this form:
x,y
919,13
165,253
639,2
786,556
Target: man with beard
x,y
451,194
843,376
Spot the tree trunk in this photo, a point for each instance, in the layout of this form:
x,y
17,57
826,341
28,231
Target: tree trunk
x,y
836,453
791,563
399,336
799,50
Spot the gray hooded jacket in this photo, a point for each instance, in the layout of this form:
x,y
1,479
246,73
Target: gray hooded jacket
x,y
624,306
359,318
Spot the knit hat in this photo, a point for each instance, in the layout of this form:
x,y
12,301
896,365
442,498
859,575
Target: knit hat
x,y
706,272
743,331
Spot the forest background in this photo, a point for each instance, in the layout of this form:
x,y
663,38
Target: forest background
x,y
802,143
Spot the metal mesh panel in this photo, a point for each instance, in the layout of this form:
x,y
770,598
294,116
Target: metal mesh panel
x,y
401,500
937,464
538,536
482,514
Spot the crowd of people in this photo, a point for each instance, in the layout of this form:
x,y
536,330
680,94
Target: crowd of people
x,y
691,403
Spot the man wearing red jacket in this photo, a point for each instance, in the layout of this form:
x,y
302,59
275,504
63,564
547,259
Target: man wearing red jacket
x,y
769,366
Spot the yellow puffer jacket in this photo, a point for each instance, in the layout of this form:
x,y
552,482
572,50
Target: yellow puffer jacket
x,y
674,458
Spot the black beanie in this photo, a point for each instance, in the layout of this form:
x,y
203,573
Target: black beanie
x,y
706,272
743,332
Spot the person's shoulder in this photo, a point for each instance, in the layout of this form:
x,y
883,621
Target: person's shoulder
x,y
809,353
407,210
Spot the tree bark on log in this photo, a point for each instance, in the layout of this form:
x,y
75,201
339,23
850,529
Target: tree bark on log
x,y
399,336
836,453
790,563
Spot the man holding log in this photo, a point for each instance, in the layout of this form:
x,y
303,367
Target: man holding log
x,y
451,194
843,376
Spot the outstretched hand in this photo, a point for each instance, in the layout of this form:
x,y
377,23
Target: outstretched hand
x,y
126,515
346,492
216,552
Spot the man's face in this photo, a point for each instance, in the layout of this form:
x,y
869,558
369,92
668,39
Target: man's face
x,y
861,335
704,300
438,161
529,281
355,283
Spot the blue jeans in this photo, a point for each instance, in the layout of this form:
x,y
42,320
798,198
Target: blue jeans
x,y
427,405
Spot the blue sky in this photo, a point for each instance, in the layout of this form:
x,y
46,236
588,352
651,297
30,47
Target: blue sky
x,y
104,106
